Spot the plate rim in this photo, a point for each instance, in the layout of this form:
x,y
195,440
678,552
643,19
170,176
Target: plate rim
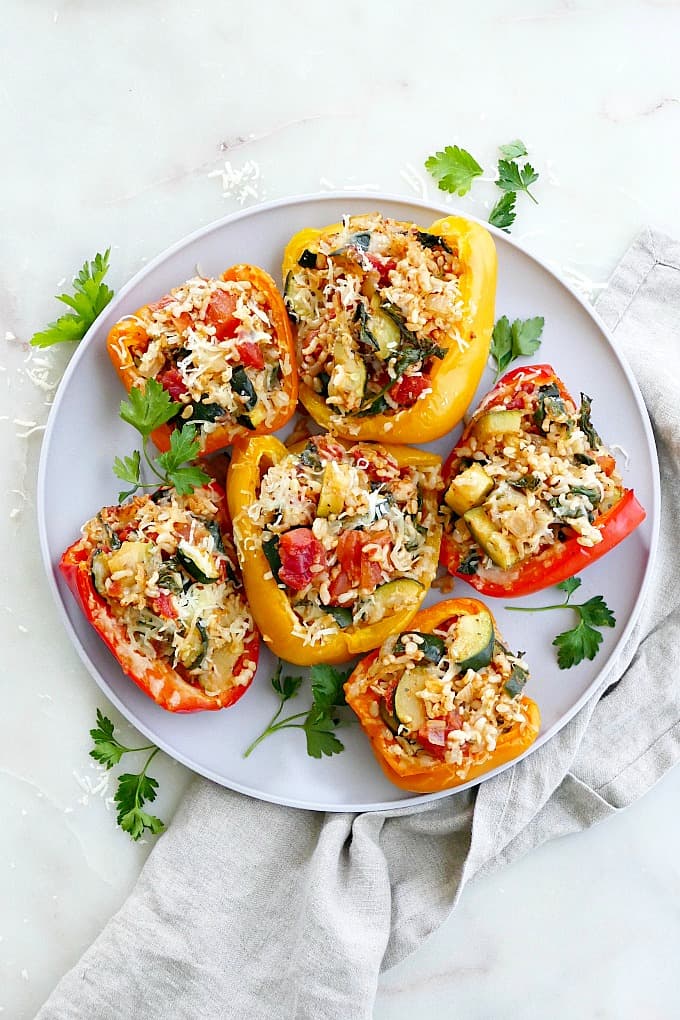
x,y
653,512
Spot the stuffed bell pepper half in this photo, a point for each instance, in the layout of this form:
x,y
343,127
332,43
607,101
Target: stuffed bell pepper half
x,y
441,701
222,348
157,578
532,494
392,323
338,543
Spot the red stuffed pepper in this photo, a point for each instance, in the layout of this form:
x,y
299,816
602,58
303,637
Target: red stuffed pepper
x,y
222,348
157,577
532,494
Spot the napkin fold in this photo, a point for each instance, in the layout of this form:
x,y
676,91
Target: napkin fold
x,y
251,910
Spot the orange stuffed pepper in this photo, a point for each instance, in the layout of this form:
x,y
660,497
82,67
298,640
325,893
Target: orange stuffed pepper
x,y
222,348
441,702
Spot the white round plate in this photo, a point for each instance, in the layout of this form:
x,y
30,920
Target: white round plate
x,y
73,486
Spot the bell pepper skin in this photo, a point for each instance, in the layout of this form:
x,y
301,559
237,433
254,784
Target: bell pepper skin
x,y
408,772
269,604
155,677
453,379
559,561
129,334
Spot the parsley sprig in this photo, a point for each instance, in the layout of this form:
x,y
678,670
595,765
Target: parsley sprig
x,y
90,297
454,170
134,789
521,339
582,641
320,721
147,410
512,179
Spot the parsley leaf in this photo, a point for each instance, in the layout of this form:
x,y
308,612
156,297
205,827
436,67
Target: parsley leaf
x,y
513,150
503,213
128,470
583,640
90,297
570,585
286,687
596,613
318,727
573,646
107,749
327,686
520,339
184,446
133,790
513,177
132,793
454,169
149,408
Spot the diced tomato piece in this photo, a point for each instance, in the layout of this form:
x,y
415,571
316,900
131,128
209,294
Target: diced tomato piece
x,y
172,381
250,354
220,314
340,585
182,322
358,565
380,467
607,463
329,447
299,550
382,266
163,606
349,554
371,574
407,390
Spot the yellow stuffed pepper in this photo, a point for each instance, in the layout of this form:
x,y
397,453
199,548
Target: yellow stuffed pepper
x,y
393,323
441,702
338,543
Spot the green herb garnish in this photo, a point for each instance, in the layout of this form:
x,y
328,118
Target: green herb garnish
x,y
454,169
583,640
521,339
320,721
134,789
90,297
147,410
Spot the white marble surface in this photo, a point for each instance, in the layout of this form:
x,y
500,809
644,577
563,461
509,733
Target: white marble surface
x,y
116,120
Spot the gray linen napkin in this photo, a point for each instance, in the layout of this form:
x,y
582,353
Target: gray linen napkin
x,y
251,910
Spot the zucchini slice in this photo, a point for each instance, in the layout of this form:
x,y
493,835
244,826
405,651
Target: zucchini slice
x,y
193,648
397,594
485,533
293,298
198,564
473,645
468,489
341,614
497,423
100,571
385,333
332,495
432,647
408,708
389,718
